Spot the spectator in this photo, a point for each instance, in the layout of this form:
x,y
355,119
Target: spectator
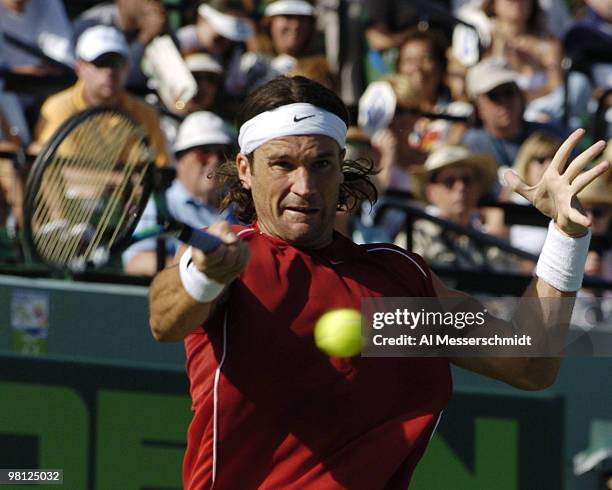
x,y
139,20
286,35
221,29
596,199
499,102
203,142
102,67
452,181
588,42
391,21
316,68
220,26
593,306
533,158
388,111
519,35
516,31
42,24
422,59
288,28
14,135
15,127
208,74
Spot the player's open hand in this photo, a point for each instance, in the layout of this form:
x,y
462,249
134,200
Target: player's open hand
x,y
226,262
555,194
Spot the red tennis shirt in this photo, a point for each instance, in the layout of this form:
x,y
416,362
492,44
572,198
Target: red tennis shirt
x,y
272,411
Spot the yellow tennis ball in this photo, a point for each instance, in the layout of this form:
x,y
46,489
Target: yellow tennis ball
x,y
338,332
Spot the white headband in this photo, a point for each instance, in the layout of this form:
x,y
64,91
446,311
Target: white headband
x,y
289,7
290,120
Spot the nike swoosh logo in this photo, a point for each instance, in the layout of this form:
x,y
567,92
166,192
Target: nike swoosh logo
x,y
298,119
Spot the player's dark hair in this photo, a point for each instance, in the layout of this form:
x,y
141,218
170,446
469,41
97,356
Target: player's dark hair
x,y
281,91
291,90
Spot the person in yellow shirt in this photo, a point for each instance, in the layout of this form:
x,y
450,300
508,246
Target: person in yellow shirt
x,y
102,69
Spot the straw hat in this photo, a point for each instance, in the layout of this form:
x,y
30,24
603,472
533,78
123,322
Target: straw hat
x,y
597,192
450,155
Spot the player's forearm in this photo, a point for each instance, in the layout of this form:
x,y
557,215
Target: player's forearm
x,y
544,314
173,313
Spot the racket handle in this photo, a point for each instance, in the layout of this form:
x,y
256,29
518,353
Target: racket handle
x,y
206,242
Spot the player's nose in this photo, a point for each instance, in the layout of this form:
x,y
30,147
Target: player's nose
x,y
303,184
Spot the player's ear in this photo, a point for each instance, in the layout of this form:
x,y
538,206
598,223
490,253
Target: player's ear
x,y
244,170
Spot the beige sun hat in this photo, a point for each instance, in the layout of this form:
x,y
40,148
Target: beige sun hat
x,y
487,75
597,192
449,155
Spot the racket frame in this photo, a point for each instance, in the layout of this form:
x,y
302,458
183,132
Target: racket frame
x,y
46,155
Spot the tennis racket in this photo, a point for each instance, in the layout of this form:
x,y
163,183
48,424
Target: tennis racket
x,y
87,190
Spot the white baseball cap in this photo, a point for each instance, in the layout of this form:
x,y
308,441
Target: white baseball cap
x,y
99,40
488,74
203,62
203,128
232,27
289,7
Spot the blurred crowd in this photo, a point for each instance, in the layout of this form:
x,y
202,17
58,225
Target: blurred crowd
x,y
444,95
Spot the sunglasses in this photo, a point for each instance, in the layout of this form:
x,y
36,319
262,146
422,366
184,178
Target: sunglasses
x,y
502,93
109,61
450,181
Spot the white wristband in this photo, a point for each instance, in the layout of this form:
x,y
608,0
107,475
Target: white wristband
x,y
197,284
561,262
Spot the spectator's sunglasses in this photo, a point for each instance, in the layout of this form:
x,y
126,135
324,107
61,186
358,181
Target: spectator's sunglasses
x,y
449,182
209,77
109,60
502,93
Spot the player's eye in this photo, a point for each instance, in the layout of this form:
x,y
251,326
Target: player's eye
x,y
282,165
320,164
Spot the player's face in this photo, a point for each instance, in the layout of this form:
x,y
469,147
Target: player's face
x,y
295,182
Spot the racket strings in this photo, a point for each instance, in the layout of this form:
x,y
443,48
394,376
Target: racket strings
x,y
68,204
100,186
133,158
136,153
105,158
50,215
82,157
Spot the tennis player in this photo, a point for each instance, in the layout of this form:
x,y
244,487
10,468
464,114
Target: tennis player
x,y
272,411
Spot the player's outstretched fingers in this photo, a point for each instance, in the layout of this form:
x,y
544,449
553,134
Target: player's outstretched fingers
x,y
565,150
589,176
578,164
